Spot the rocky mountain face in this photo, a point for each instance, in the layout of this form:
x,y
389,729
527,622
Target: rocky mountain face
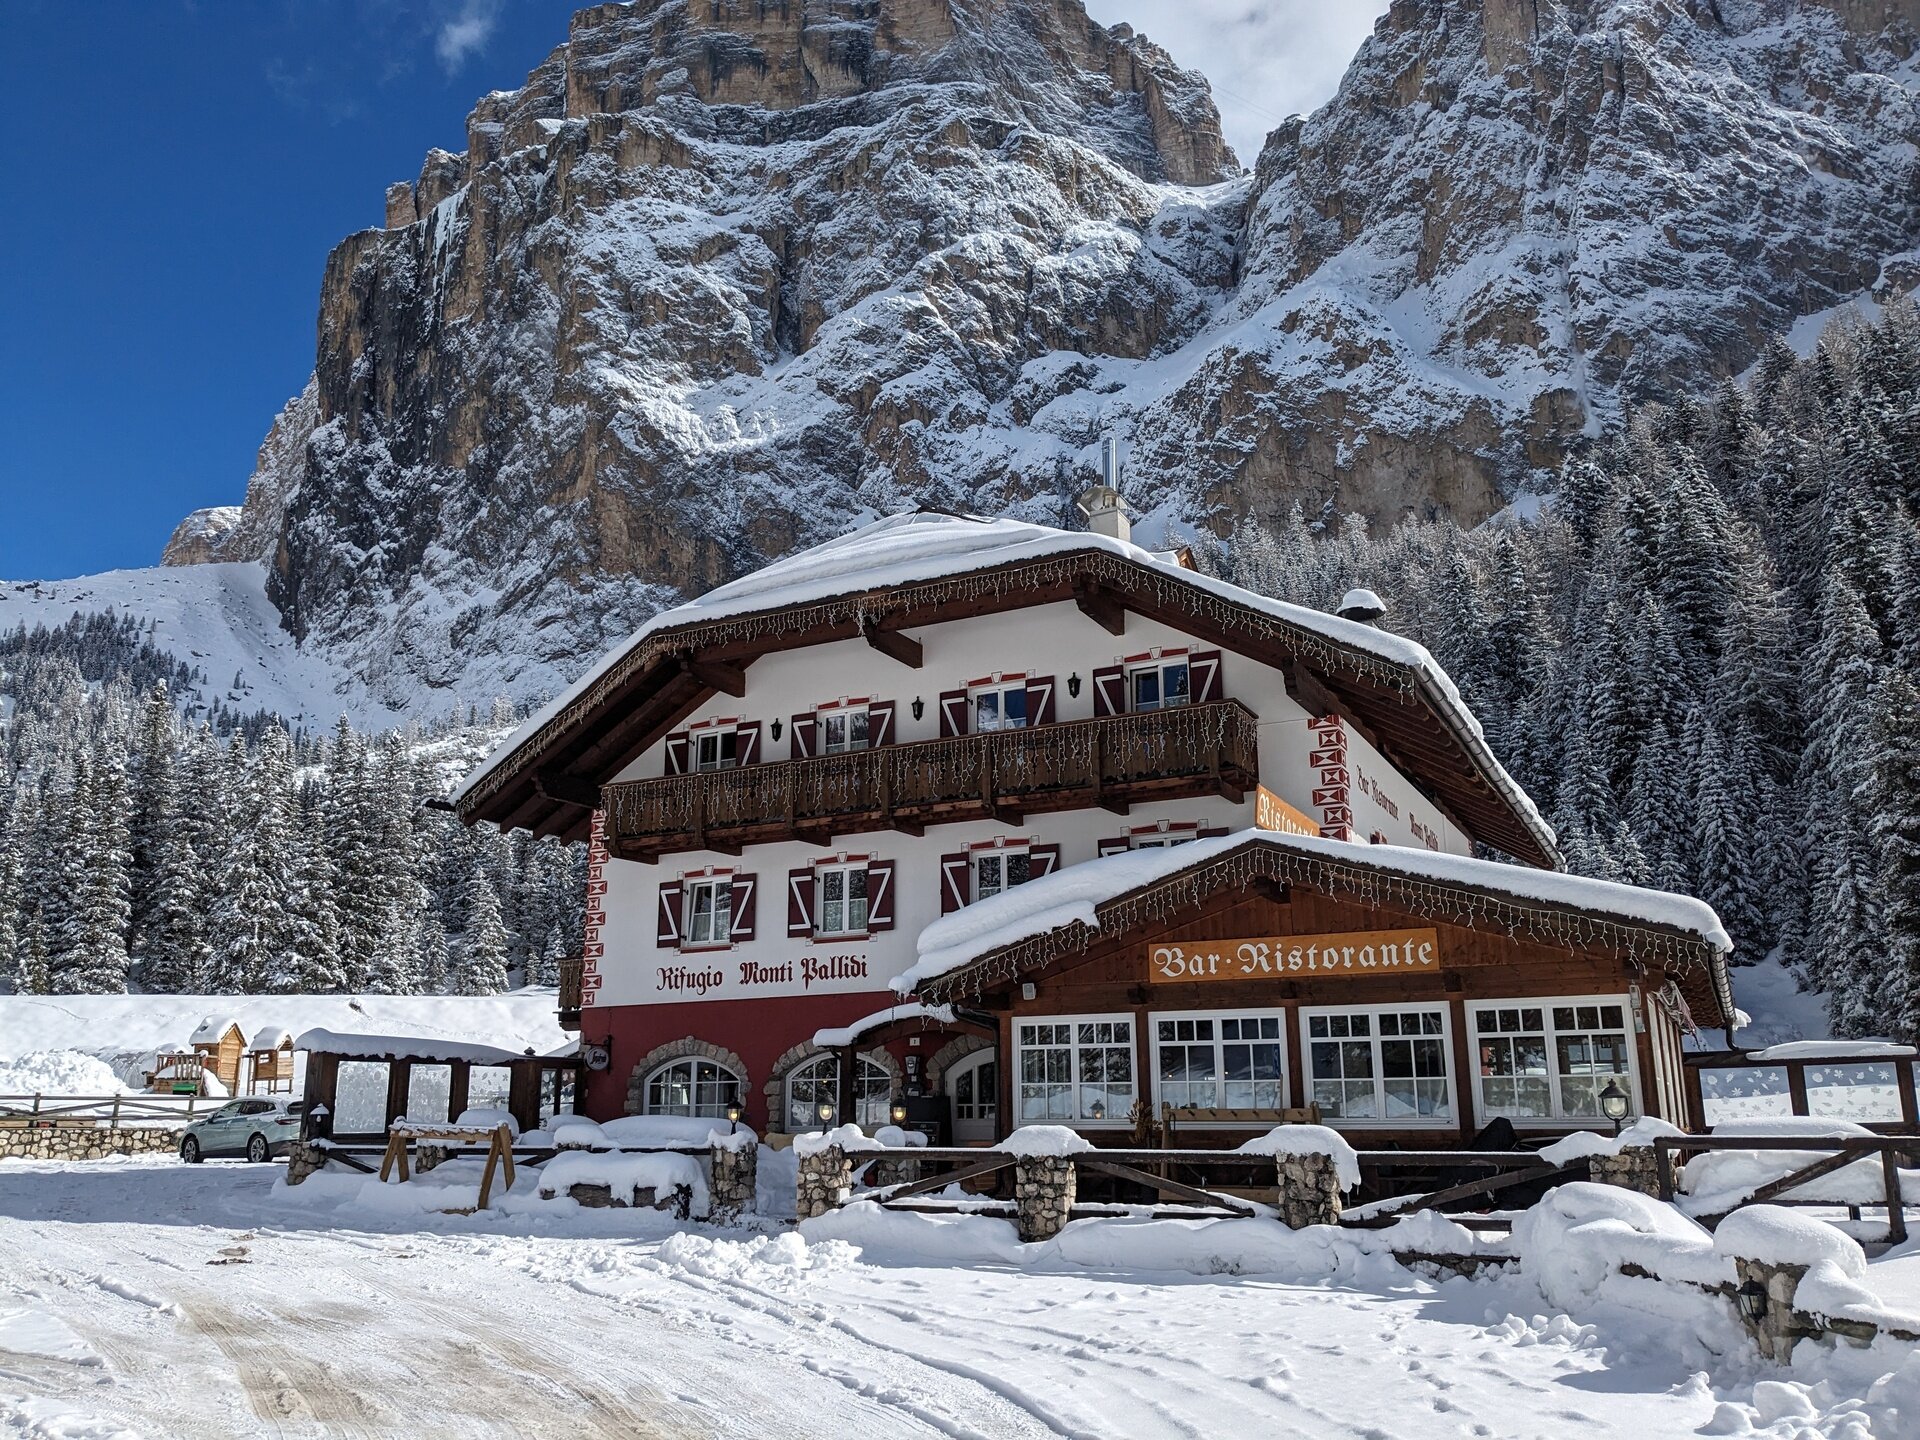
x,y
726,276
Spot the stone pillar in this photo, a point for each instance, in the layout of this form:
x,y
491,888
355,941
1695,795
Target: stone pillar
x,y
1634,1168
1775,1332
1307,1190
893,1171
303,1159
1044,1188
735,1176
826,1180
426,1157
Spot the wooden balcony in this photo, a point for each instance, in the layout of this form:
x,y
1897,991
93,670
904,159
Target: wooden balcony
x,y
1002,775
570,972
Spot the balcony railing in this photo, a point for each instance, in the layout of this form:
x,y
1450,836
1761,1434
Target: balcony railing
x,y
569,1006
1002,774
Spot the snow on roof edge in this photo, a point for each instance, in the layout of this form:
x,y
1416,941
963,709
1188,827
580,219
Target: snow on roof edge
x,y
398,1047
834,1037
1053,902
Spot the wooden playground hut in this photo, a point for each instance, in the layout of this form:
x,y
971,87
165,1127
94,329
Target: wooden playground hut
x,y
358,1085
221,1043
270,1061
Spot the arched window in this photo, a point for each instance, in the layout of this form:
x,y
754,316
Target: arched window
x,y
819,1079
692,1087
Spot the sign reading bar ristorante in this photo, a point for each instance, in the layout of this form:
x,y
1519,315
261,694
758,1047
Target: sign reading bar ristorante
x,y
1365,952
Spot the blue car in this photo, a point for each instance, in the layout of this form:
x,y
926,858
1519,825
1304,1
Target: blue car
x,y
257,1129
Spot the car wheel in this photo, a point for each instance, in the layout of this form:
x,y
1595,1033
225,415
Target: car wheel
x,y
257,1150
190,1150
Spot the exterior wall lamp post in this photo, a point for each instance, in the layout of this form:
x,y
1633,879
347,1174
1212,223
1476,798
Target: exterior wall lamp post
x,y
1614,1104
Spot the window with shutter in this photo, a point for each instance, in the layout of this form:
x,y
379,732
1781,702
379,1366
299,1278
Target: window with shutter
x,y
1110,690
956,882
1116,845
677,754
709,911
953,713
1040,708
667,927
880,895
748,748
745,891
800,902
840,899
1045,859
880,722
1206,674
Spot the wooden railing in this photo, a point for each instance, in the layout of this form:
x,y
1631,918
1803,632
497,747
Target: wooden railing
x,y
569,1006
1190,750
110,1110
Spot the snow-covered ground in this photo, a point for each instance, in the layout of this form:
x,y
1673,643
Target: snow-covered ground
x,y
143,1297
124,1031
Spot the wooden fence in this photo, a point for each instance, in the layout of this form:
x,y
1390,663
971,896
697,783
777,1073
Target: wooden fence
x,y
1835,1153
49,1110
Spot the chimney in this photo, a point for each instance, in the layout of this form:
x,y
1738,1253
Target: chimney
x,y
1361,605
1106,512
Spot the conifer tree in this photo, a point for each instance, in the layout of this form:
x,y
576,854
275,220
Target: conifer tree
x,y
481,965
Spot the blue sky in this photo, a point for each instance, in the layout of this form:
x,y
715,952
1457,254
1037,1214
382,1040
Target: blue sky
x,y
177,170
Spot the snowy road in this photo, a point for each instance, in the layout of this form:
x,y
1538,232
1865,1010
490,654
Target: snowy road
x,y
148,1298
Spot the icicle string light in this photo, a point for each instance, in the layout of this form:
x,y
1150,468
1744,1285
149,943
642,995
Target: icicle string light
x,y
1433,900
1136,583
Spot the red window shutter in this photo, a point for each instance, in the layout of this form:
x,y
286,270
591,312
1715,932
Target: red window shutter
x,y
745,888
953,713
1110,690
677,754
1203,671
747,746
880,722
956,882
1209,832
1040,709
800,901
1118,845
802,733
667,929
1042,860
879,895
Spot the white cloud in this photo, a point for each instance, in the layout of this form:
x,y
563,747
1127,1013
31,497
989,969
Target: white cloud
x,y
1266,59
465,32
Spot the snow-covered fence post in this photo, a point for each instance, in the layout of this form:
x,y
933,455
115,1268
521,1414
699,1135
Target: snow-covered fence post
x,y
826,1178
1773,1249
736,1166
1044,1188
1307,1189
1632,1168
304,1158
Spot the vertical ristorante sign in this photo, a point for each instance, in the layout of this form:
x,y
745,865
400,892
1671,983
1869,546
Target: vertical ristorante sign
x,y
1363,952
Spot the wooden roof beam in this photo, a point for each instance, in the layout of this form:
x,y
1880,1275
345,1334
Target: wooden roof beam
x,y
893,644
1100,605
566,789
716,675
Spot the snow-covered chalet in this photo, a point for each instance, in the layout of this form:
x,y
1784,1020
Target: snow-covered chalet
x,y
1005,824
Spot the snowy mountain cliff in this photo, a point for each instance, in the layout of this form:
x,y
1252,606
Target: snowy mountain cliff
x,y
717,282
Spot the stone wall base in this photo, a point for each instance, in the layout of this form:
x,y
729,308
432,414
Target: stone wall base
x,y
85,1142
734,1181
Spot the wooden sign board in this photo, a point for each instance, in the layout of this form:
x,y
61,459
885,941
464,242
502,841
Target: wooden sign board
x,y
1363,952
1270,812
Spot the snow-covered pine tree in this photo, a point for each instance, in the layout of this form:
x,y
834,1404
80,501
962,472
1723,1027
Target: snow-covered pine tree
x,y
480,965
1896,831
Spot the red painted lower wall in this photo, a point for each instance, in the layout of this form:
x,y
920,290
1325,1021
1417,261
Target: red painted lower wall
x,y
758,1031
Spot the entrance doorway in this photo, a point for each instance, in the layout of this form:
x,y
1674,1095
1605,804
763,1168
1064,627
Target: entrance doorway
x,y
973,1085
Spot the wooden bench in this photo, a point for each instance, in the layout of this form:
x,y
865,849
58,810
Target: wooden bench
x,y
498,1138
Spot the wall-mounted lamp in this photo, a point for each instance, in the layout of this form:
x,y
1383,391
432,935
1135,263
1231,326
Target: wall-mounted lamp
x,y
733,1117
1073,685
1751,1297
899,1111
774,730
825,1112
919,707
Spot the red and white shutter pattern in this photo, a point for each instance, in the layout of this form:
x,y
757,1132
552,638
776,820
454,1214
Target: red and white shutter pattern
x,y
800,902
1110,690
747,746
956,881
677,754
880,723
953,713
1042,860
1040,707
879,895
1331,796
667,925
1115,845
801,735
1203,671
745,891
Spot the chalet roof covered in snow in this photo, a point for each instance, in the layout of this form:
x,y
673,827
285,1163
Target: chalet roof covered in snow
x,y
898,572
403,1047
1024,927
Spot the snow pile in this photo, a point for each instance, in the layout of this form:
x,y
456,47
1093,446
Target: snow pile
x,y
1035,1140
848,1137
1309,1140
270,1037
1574,1241
834,1039
1583,1143
1072,894
213,1028
1776,1235
625,1172
1717,1180
684,1131
892,1137
576,1132
59,1072
1838,1051
482,1117
401,1047
715,1259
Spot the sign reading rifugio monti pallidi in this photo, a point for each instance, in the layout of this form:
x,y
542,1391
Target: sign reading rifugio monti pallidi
x,y
1010,823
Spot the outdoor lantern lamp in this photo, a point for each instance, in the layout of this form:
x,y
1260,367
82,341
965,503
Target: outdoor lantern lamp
x,y
774,731
1099,1110
1614,1104
1752,1300
919,707
1073,685
899,1110
733,1116
825,1112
